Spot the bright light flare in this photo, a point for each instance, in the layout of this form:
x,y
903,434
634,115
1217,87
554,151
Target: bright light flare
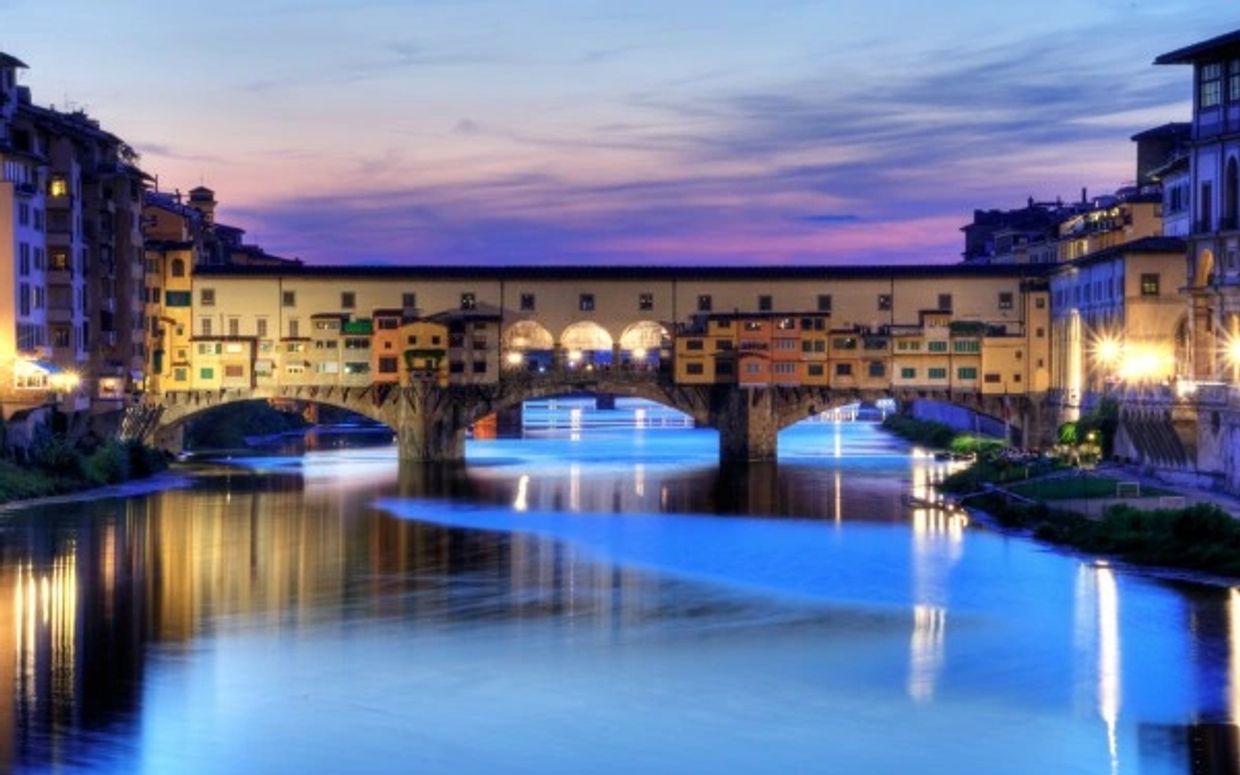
x,y
515,358
1108,350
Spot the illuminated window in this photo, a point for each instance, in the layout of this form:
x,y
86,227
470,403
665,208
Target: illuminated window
x,y
59,186
468,301
1150,284
645,301
1005,300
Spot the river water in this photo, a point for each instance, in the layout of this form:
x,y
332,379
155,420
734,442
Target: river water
x,y
592,598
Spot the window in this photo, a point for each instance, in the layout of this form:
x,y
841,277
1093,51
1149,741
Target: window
x,y
180,374
1040,333
764,303
59,260
908,345
967,346
356,343
356,367
205,326
1149,284
289,298
843,369
908,373
1040,302
1233,81
966,372
23,214
1005,300
884,302
847,343
178,268
528,302
585,302
468,302
693,344
945,302
387,365
992,379
936,373
235,371
23,259
348,299
694,368
1211,93
234,327
293,328
824,302
878,369
704,303
261,327
59,186
723,344
814,369
206,373
645,302
785,368
409,300
177,299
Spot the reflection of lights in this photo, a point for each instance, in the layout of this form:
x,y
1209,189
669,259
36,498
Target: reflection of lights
x,y
639,418
1142,363
639,353
515,358
521,503
926,651
1185,388
574,487
1108,658
574,356
1233,616
639,479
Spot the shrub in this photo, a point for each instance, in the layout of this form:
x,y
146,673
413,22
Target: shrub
x,y
109,464
144,461
57,456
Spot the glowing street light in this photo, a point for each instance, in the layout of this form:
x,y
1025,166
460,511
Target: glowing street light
x,y
639,353
1108,350
515,358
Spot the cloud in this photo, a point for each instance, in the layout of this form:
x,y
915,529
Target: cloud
x,y
814,168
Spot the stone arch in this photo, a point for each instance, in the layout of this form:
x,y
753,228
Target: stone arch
x,y
694,403
180,409
527,345
586,343
642,342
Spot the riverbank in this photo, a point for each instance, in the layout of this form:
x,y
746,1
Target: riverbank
x,y
940,436
57,468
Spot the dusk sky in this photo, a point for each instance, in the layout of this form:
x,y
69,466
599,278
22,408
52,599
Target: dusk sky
x,y
534,131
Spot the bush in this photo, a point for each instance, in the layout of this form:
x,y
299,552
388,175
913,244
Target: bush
x,y
109,464
57,456
145,461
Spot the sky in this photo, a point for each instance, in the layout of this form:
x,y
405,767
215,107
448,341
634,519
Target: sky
x,y
637,132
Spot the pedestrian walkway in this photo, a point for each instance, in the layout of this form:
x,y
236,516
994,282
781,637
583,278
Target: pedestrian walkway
x,y
1192,495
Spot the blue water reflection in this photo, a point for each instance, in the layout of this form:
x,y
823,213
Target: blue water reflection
x,y
593,598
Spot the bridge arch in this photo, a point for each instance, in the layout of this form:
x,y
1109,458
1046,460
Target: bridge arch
x,y
641,342
527,344
586,343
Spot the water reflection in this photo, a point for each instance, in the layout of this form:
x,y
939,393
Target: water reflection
x,y
145,632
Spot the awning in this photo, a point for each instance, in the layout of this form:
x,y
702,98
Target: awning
x,y
45,367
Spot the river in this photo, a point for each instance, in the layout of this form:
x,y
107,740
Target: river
x,y
593,598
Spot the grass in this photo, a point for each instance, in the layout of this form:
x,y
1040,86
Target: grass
x,y
1064,488
1200,538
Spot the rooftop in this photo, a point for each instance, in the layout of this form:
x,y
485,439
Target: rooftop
x,y
427,272
1145,245
1206,49
8,60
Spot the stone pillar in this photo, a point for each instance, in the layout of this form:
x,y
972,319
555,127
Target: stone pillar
x,y
425,433
748,428
170,439
605,402
511,421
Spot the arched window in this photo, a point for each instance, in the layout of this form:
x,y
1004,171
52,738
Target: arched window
x,y
586,343
178,267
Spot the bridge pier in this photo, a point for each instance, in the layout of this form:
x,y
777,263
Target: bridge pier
x,y
748,425
170,439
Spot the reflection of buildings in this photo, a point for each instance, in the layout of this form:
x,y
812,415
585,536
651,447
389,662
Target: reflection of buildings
x,y
938,544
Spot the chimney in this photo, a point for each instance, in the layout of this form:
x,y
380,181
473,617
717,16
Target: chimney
x,y
1084,195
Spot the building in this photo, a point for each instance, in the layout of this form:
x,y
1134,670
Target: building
x,y
1117,317
71,240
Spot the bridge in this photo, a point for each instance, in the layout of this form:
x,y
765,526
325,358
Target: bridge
x,y
430,420
748,351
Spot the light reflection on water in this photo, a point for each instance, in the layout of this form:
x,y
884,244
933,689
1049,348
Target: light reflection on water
x,y
774,618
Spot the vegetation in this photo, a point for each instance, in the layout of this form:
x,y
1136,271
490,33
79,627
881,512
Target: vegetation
x,y
1201,537
227,427
942,436
1069,487
56,467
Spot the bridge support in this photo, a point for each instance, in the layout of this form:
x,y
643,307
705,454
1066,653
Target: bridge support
x,y
170,439
748,425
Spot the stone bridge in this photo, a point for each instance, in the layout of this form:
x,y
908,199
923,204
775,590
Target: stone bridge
x,y
430,420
